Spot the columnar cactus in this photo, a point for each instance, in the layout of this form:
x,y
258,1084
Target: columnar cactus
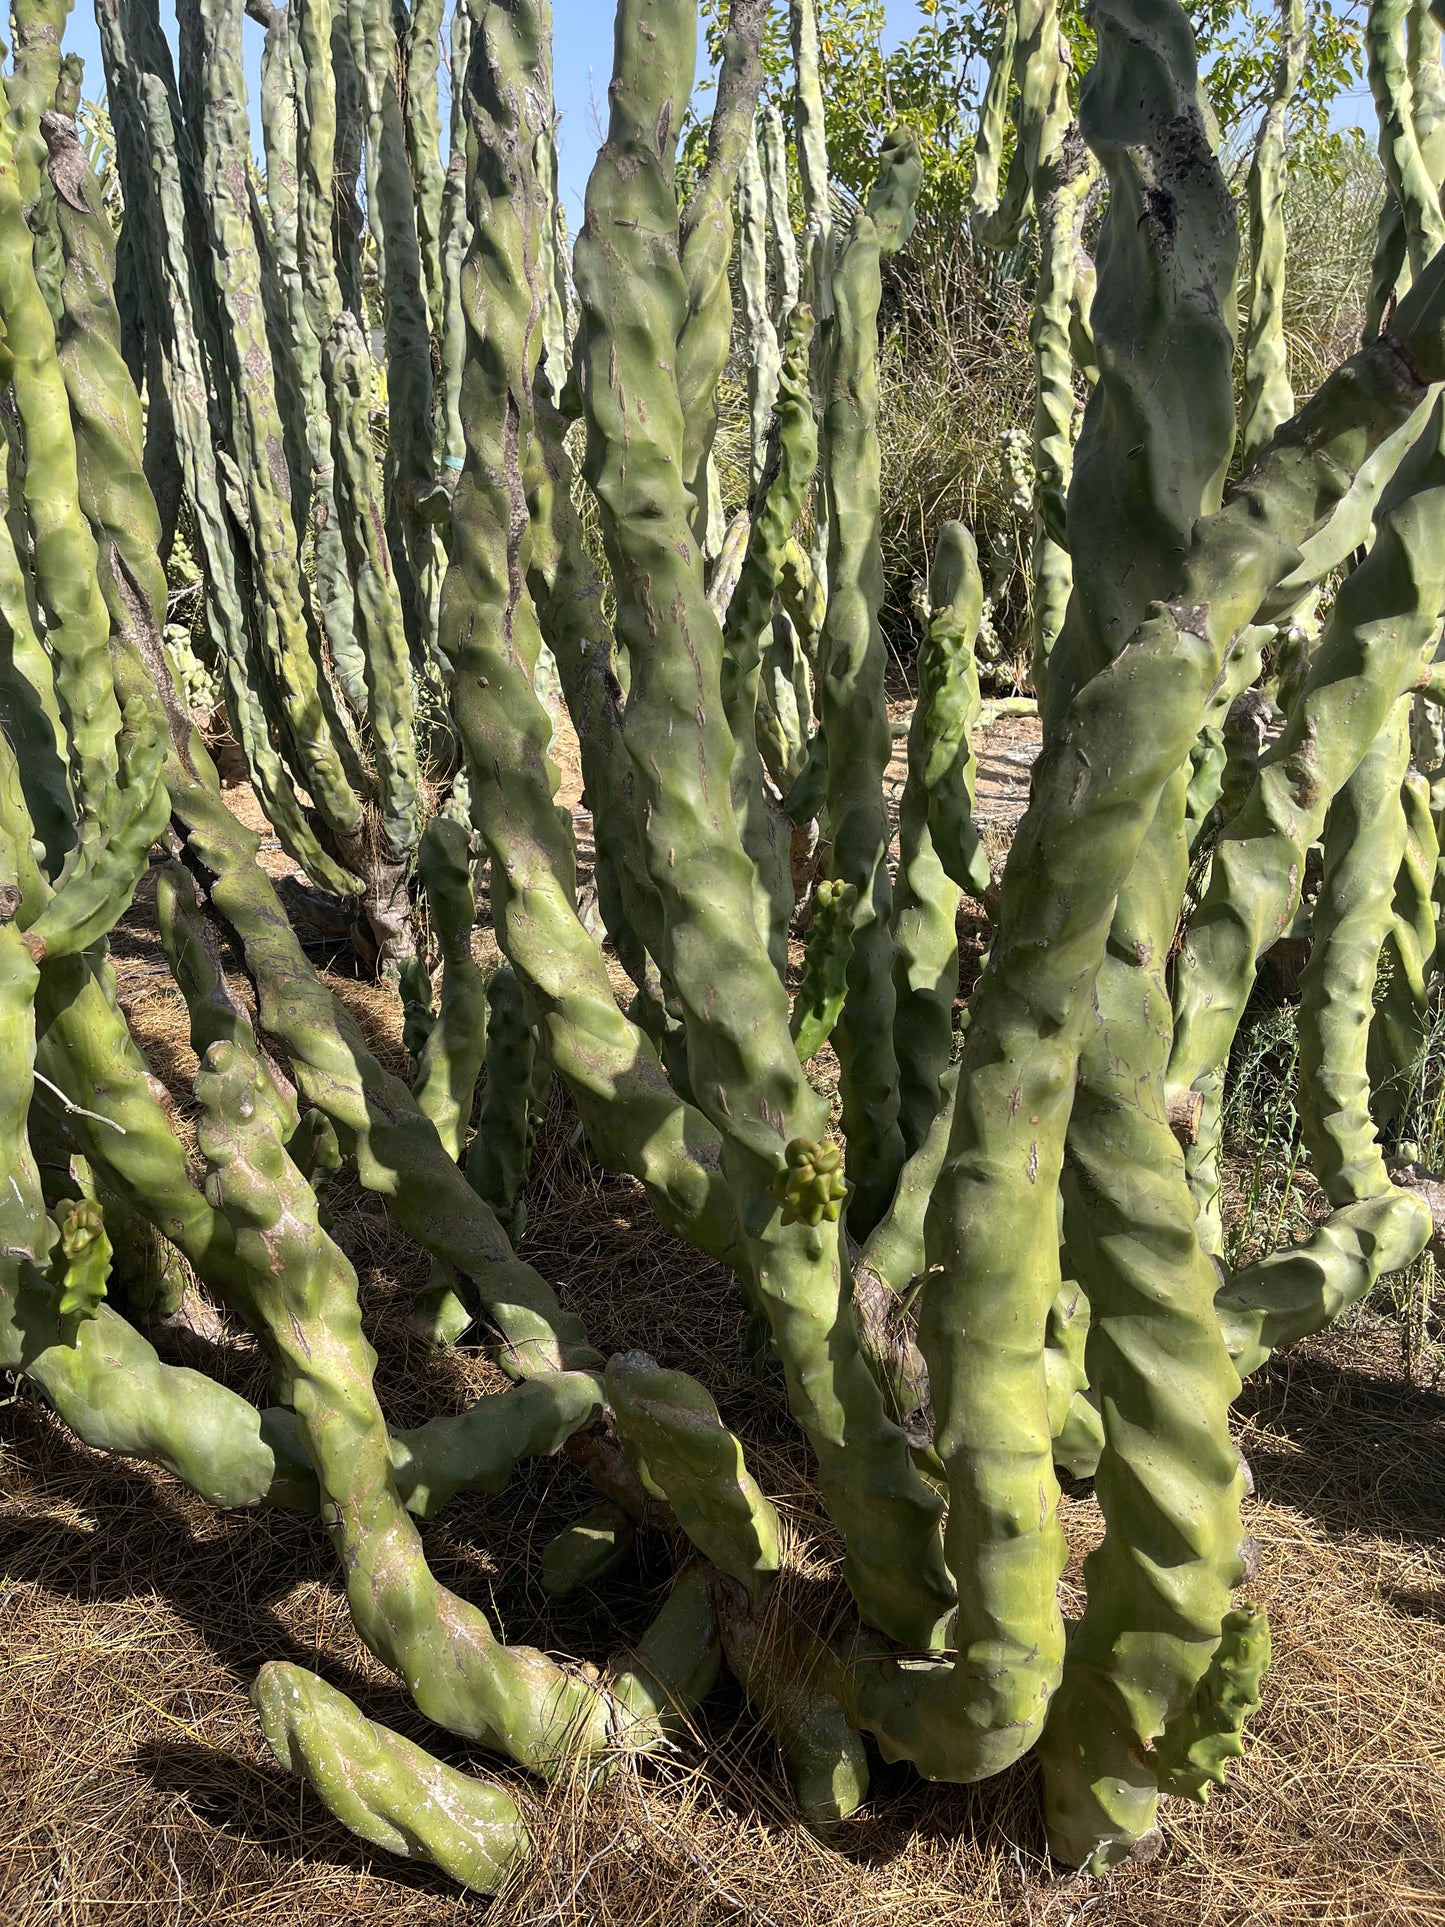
x,y
1000,1261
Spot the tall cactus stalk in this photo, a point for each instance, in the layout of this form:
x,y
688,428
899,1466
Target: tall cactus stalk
x,y
1003,1262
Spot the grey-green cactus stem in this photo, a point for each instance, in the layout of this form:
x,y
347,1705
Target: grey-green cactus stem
x,y
1031,57
811,123
950,705
941,767
451,1058
679,1447
1372,652
1402,1017
27,684
397,1150
385,1788
490,636
391,199
824,984
705,335
1196,1746
293,72
851,702
501,1151
105,410
1373,1227
456,239
819,240
339,427
512,1698
421,55
778,502
993,121
1139,714
764,356
743,1068
1066,174
1168,1479
77,624
1415,193
1268,396
95,887
211,52
787,1675
782,242
154,162
940,854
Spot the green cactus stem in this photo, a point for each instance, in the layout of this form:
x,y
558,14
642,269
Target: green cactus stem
x,y
456,239
501,1151
850,687
27,691
1135,733
587,1550
77,624
105,410
1065,178
787,1675
1030,59
450,1060
80,1263
385,1788
397,1150
742,1066
782,242
950,705
1415,193
342,397
512,1698
939,789
824,983
1192,1752
679,1447
1167,1479
96,885
1402,1016
490,636
421,55
155,162
707,246
764,356
1373,1227
391,197
778,501
216,102
1268,396
991,137
1372,651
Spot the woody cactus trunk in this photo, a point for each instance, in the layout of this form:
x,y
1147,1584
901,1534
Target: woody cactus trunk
x,y
994,1258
